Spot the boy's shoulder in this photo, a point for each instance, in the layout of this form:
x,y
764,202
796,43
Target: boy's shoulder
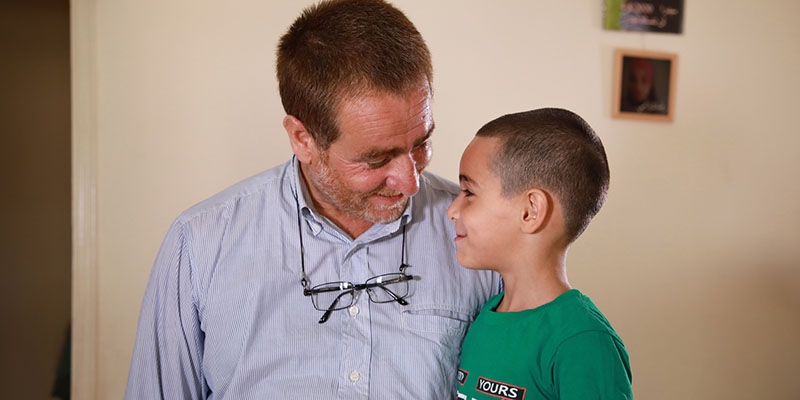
x,y
576,311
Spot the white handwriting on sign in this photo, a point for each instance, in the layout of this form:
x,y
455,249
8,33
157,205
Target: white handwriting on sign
x,y
668,11
643,13
638,8
642,20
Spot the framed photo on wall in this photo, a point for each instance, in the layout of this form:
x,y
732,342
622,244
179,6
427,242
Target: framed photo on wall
x,y
644,85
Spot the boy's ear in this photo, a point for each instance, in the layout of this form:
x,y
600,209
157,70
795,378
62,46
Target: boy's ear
x,y
303,144
536,208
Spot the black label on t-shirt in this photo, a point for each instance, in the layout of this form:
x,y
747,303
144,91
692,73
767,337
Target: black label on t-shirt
x,y
462,376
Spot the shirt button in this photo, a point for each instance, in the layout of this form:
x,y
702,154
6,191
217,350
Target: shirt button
x,y
354,376
353,310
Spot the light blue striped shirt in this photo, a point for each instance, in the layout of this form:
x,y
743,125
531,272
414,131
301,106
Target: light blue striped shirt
x,y
224,316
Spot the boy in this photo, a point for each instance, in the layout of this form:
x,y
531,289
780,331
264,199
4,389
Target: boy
x,y
530,184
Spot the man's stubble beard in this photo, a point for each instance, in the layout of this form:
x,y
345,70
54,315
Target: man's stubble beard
x,y
333,191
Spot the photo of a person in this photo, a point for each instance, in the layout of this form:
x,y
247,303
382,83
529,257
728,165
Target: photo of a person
x,y
644,85
638,87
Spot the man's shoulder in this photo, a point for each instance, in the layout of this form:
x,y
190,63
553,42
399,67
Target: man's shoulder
x,y
438,185
259,187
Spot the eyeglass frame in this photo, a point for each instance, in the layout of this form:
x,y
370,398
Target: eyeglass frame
x,y
307,291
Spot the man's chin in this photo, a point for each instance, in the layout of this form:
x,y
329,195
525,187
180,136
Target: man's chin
x,y
387,213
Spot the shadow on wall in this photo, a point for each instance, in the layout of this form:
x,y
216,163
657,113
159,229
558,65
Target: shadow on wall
x,y
731,333
754,329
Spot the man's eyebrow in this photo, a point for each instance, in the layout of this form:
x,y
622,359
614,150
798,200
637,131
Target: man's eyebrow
x,y
465,179
377,153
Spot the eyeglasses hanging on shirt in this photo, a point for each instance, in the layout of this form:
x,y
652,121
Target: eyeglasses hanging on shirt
x,y
333,296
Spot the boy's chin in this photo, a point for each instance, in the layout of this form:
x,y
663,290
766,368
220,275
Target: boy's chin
x,y
468,265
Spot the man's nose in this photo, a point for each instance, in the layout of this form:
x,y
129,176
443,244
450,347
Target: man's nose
x,y
404,176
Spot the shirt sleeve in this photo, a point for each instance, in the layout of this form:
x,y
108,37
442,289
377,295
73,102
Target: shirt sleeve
x,y
167,354
592,365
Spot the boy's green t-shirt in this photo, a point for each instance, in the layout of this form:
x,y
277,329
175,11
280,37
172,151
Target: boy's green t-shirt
x,y
565,349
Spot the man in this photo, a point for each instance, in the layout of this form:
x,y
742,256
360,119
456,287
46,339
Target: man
x,y
321,278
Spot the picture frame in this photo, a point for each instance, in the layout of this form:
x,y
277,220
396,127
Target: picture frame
x,y
644,85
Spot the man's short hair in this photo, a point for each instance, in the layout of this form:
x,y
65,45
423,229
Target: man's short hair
x,y
342,49
555,150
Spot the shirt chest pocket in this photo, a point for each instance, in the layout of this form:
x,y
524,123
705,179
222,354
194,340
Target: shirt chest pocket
x,y
436,319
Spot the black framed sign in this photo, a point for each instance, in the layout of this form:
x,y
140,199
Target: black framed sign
x,y
644,15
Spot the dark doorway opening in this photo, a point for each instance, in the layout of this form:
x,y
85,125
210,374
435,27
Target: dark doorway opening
x,y
35,176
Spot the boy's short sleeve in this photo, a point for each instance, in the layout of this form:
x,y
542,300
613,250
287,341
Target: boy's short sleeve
x,y
592,365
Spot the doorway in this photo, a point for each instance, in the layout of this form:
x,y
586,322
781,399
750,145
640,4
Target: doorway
x,y
35,172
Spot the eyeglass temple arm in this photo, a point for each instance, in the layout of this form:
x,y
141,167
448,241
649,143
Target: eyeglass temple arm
x,y
382,285
396,298
330,309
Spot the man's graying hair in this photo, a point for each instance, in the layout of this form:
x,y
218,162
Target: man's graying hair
x,y
342,49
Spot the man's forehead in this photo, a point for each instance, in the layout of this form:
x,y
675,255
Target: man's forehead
x,y
383,116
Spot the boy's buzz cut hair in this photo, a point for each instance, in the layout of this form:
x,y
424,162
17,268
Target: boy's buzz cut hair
x,y
555,150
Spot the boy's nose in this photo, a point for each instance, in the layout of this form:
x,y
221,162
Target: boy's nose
x,y
452,209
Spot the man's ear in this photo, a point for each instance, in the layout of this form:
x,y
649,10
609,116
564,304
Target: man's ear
x,y
535,210
303,144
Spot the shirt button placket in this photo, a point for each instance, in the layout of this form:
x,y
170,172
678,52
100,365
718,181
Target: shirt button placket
x,y
355,338
354,376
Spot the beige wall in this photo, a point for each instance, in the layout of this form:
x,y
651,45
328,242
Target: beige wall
x,y
694,259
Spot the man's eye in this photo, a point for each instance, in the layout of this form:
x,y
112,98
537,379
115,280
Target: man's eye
x,y
377,163
466,192
423,145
